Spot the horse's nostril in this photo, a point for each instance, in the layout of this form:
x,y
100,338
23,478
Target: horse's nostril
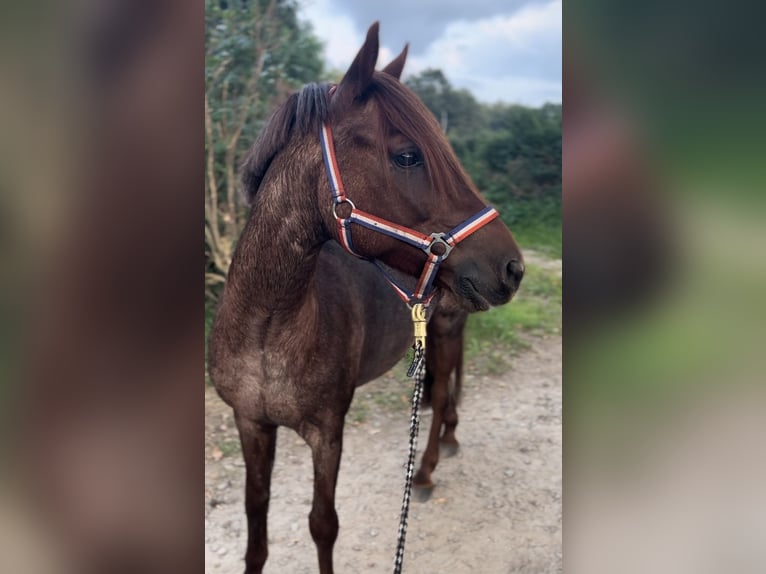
x,y
515,271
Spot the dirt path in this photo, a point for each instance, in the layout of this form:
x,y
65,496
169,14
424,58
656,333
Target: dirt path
x,y
496,508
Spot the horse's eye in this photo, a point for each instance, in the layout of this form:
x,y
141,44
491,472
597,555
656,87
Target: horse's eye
x,y
408,159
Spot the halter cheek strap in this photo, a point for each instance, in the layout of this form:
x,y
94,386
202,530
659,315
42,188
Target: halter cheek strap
x,y
447,241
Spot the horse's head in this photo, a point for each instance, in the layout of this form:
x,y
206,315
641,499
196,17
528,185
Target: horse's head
x,y
395,163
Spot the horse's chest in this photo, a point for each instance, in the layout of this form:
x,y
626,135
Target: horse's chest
x,y
293,386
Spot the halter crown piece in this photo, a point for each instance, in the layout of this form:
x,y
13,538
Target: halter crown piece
x,y
447,241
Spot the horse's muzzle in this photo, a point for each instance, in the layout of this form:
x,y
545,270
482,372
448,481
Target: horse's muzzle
x,y
479,289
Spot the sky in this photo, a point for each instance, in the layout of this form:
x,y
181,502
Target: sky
x,y
500,50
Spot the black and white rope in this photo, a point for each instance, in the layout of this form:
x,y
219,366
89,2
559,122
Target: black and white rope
x,y
419,368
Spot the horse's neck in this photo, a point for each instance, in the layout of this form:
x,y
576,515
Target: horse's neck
x,y
277,253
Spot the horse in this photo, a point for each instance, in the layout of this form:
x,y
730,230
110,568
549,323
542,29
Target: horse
x,y
301,321
444,356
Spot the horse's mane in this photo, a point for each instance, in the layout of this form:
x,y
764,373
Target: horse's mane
x,y
305,111
401,111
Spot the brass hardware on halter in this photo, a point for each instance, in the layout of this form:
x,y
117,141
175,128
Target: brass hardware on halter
x,y
419,348
419,324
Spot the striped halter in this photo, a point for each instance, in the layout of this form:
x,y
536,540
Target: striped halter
x,y
437,246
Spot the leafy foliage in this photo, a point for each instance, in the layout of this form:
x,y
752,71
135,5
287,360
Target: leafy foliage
x,y
513,154
256,52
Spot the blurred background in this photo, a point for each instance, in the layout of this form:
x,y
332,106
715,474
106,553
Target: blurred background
x,y
103,174
664,275
102,169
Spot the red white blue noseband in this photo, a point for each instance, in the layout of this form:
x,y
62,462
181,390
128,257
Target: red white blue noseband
x,y
437,246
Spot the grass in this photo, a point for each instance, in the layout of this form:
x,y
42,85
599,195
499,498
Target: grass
x,y
230,448
704,328
536,310
546,239
536,224
359,412
391,396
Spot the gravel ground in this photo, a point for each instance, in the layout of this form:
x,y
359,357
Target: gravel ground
x,y
495,509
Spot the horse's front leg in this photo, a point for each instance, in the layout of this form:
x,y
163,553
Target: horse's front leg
x,y
258,446
326,442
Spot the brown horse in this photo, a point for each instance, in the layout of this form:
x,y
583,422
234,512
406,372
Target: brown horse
x,y
301,323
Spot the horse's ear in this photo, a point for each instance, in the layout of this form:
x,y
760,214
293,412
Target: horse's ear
x,y
359,75
397,64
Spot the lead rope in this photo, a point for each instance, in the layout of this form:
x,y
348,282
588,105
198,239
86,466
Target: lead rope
x,y
416,370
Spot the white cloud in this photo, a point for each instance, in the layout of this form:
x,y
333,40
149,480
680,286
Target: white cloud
x,y
513,58
337,32
507,57
339,35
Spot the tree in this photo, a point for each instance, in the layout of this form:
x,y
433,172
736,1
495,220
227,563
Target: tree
x,y
256,52
456,110
512,152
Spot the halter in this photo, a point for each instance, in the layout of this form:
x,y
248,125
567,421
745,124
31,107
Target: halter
x,y
446,241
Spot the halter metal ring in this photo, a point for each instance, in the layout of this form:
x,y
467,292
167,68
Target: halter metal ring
x,y
341,202
438,239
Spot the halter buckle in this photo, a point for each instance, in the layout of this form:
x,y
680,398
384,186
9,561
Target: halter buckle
x,y
438,239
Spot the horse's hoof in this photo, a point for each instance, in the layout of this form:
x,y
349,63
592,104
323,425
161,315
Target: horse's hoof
x,y
448,449
422,493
